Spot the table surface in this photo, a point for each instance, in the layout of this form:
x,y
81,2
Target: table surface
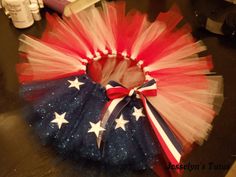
x,y
21,154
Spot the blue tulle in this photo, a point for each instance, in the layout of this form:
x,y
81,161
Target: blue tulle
x,y
134,147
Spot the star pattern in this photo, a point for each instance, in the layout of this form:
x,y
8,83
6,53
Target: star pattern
x,y
138,113
96,128
75,83
59,119
120,123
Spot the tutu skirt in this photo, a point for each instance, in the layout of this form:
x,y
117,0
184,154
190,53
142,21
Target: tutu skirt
x,y
113,87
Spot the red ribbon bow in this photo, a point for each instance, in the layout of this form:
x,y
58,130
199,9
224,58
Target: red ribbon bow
x,y
115,90
116,93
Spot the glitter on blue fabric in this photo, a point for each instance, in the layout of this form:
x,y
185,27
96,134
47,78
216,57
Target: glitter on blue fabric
x,y
135,147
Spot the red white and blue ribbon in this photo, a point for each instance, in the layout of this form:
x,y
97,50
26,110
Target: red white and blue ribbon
x,y
120,96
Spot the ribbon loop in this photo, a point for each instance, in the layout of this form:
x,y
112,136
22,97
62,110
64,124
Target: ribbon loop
x,y
115,90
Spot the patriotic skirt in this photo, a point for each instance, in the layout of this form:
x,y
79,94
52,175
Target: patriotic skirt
x,y
111,86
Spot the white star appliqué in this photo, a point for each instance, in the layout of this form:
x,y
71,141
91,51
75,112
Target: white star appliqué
x,y
96,128
75,83
59,119
120,123
138,113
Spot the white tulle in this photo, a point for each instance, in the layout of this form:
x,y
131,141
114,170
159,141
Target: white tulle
x,y
48,60
190,112
146,37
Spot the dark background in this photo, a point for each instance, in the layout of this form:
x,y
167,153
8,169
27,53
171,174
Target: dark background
x,y
22,155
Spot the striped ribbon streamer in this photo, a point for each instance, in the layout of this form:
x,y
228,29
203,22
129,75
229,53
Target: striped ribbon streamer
x,y
120,96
